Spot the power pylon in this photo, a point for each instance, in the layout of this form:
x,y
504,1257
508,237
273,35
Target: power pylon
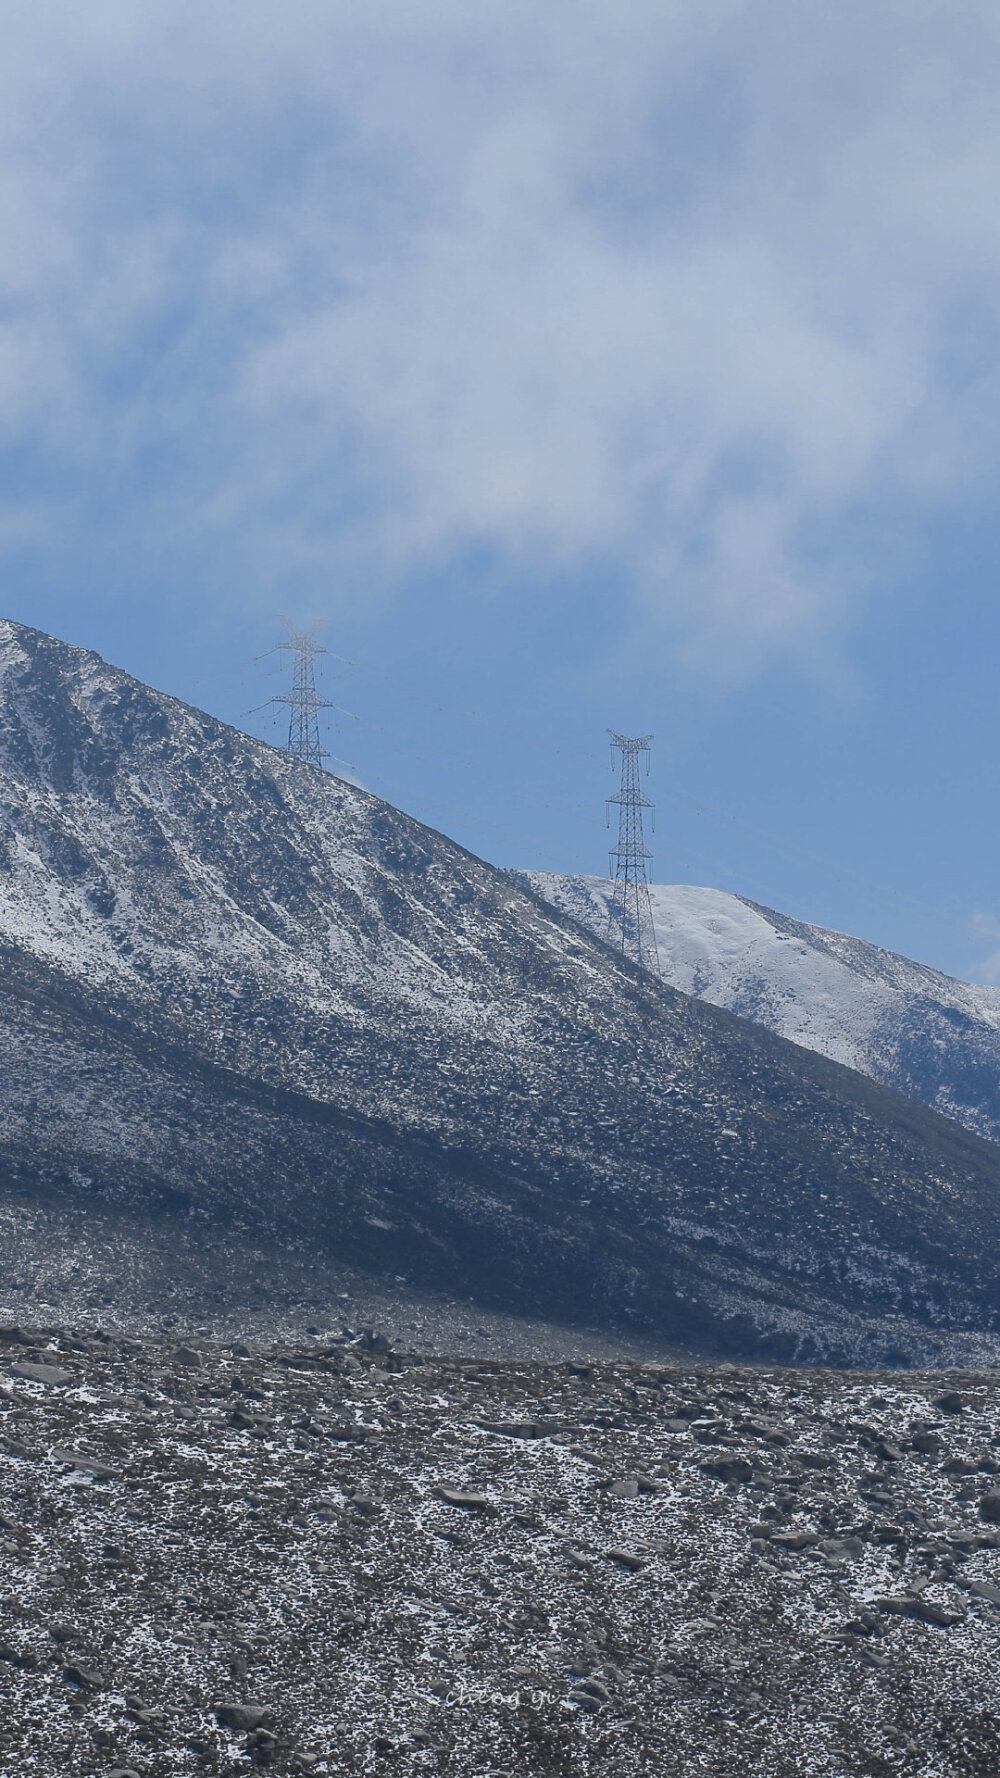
x,y
304,702
630,916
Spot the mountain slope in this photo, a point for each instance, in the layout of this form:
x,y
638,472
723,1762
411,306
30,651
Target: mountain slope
x,y
912,1028
238,991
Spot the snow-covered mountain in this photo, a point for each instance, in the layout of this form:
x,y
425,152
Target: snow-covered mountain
x,y
926,1034
236,992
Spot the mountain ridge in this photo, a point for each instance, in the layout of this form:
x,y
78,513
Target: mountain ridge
x,y
236,986
909,1026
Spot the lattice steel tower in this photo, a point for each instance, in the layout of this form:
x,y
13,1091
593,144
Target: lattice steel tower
x,y
304,702
630,916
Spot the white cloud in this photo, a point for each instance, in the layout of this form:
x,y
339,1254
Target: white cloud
x,y
705,293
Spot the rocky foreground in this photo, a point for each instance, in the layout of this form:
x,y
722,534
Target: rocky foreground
x,y
333,1558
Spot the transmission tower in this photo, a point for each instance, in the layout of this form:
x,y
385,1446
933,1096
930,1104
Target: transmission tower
x,y
303,701
630,916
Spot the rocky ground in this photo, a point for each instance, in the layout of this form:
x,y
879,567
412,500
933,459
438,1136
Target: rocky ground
x,y
333,1557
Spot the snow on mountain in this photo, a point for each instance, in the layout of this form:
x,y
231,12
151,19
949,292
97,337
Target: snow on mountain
x,y
926,1034
238,993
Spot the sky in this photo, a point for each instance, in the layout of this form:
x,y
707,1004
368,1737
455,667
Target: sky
x,y
628,364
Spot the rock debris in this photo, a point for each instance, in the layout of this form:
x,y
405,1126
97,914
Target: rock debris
x,y
348,1559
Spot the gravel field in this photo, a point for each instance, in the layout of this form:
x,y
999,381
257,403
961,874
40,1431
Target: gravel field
x,y
335,1557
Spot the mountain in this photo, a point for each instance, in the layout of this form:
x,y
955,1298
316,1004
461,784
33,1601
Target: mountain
x,y
926,1034
245,1000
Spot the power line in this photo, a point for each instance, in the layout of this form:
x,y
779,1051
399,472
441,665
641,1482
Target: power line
x,y
879,893
413,744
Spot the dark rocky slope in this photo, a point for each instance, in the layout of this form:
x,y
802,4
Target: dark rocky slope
x,y
238,993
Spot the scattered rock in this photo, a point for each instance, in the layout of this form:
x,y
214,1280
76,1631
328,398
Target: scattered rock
x,y
647,1484
926,1610
842,1549
42,1373
927,1443
772,1435
261,1747
627,1559
625,1488
83,1464
589,1694
424,1738
794,1540
244,1718
888,1453
19,1657
889,1534
989,1507
88,1678
522,1429
730,1469
471,1502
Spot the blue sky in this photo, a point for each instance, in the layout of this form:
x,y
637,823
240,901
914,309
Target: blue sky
x,y
586,365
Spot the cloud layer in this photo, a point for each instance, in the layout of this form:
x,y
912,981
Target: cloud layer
x,y
706,298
